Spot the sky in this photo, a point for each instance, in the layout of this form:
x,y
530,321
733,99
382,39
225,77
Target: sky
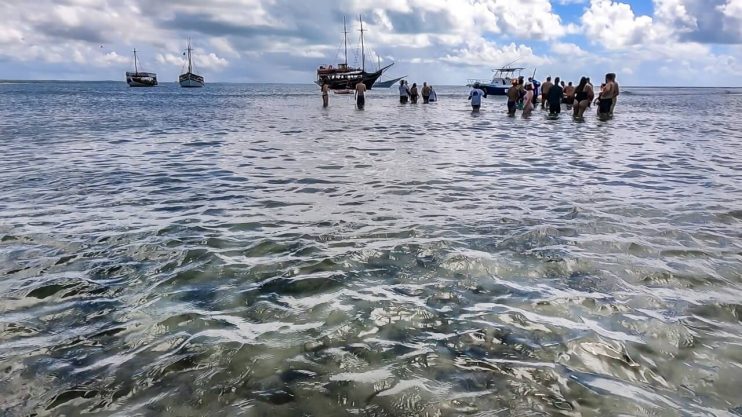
x,y
443,42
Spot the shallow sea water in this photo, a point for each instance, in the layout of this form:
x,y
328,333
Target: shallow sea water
x,y
239,250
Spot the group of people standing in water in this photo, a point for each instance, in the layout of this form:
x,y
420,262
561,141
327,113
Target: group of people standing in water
x,y
523,95
412,95
406,93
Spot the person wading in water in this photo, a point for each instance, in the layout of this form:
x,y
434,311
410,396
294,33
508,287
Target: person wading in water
x,y
513,96
528,99
616,91
475,95
607,95
414,94
545,87
325,94
582,98
555,98
426,93
360,95
403,92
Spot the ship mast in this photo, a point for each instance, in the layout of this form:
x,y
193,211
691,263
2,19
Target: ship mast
x,y
363,51
190,67
345,34
136,70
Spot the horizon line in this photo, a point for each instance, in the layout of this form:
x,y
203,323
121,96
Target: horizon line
x,y
7,81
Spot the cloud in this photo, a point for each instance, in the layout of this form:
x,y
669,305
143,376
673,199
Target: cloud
x,y
568,50
224,46
614,25
112,58
481,51
269,40
732,19
679,36
200,59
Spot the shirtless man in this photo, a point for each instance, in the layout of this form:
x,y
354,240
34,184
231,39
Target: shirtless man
x,y
616,91
607,94
360,95
513,96
325,94
545,87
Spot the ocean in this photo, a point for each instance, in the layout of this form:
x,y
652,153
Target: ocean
x,y
239,250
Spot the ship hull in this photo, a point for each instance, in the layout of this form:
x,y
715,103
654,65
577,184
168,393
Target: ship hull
x,y
189,80
348,80
494,90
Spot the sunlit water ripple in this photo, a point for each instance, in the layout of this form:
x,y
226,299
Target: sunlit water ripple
x,y
238,250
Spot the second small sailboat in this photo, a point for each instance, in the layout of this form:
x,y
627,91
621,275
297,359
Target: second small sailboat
x,y
189,79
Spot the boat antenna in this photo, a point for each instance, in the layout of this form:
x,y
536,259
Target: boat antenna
x,y
345,36
136,70
510,64
363,51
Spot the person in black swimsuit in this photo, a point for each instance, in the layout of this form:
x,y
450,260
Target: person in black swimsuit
x,y
581,98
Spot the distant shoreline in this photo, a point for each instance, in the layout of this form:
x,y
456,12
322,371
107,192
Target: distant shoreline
x,y
309,83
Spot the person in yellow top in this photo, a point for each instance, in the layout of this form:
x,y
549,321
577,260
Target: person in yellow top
x,y
360,95
325,94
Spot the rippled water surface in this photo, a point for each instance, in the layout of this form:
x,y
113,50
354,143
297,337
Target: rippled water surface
x,y
239,250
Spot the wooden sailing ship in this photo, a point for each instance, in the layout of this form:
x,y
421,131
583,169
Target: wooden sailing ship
x,y
140,79
189,79
344,77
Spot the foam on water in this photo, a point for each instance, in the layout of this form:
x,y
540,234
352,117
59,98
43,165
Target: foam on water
x,y
239,250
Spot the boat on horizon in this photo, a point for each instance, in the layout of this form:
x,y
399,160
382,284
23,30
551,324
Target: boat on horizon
x,y
189,79
140,79
344,77
500,82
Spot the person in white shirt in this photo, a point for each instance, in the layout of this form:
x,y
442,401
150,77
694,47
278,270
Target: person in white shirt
x,y
475,95
402,92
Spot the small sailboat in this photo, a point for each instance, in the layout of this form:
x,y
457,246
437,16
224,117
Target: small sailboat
x,y
189,79
140,79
